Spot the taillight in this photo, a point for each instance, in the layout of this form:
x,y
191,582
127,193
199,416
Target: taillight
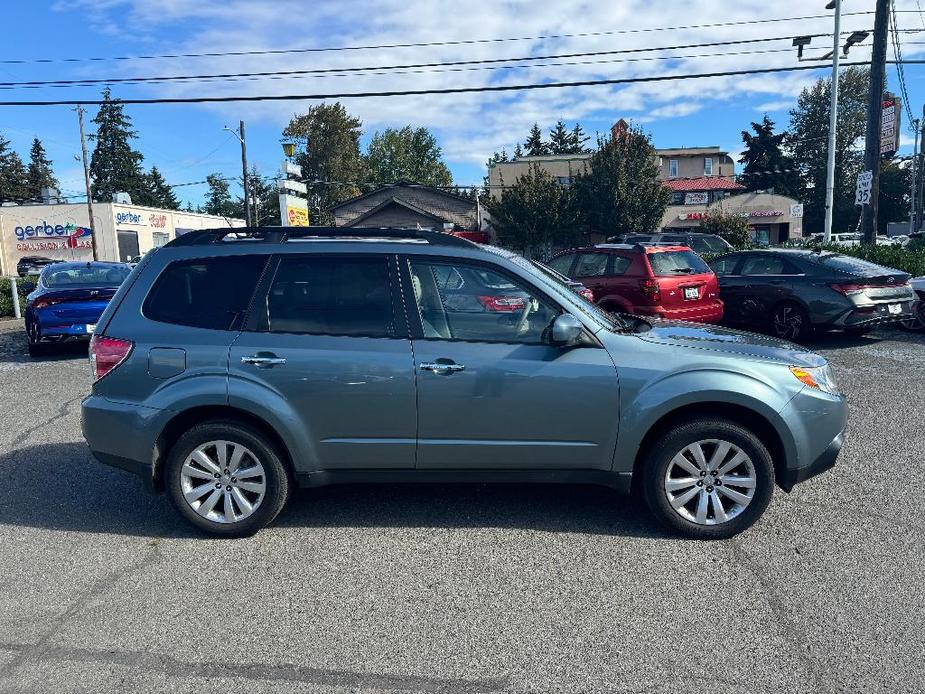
x,y
586,293
851,288
504,304
651,289
44,301
106,353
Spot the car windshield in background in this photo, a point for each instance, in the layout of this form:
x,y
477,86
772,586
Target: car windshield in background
x,y
677,263
854,266
708,244
85,276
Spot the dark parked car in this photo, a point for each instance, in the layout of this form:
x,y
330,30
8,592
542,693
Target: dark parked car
x,y
33,264
792,292
669,282
917,321
68,301
704,244
229,371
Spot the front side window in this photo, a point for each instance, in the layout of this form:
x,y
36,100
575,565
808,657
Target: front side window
x,y
672,168
330,295
766,265
724,266
205,293
488,307
591,265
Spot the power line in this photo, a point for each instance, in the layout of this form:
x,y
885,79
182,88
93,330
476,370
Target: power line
x,y
358,69
900,73
423,92
461,42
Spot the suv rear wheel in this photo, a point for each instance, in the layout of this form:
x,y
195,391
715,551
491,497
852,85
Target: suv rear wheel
x,y
709,479
226,479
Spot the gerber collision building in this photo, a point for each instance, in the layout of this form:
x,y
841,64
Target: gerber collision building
x,y
61,230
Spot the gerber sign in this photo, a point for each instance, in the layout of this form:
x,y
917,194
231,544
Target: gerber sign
x,y
44,231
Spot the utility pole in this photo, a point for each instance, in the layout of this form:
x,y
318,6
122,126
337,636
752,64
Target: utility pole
x,y
915,157
874,110
833,123
83,149
239,133
918,195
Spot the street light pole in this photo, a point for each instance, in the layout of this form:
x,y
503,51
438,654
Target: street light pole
x,y
915,156
833,122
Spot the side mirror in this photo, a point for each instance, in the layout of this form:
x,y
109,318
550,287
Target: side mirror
x,y
566,330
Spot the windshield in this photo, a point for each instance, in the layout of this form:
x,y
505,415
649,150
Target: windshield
x,y
708,244
670,263
84,276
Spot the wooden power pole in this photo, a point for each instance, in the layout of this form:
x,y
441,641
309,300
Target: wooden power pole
x,y
874,111
83,149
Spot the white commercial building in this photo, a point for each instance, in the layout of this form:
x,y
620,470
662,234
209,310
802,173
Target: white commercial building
x,y
61,231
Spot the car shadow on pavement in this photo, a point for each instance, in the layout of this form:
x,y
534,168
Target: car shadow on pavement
x,y
59,486
14,348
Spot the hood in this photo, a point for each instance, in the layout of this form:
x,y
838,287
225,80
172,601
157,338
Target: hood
x,y
731,342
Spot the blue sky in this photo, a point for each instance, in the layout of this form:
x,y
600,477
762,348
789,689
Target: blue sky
x,y
187,141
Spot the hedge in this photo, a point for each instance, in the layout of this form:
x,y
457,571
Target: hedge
x,y
24,285
910,259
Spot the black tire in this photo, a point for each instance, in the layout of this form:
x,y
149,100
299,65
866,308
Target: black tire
x,y
917,322
276,477
790,321
660,456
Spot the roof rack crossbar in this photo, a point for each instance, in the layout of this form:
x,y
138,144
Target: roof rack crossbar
x,y
206,237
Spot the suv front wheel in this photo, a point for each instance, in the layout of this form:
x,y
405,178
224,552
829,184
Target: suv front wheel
x,y
225,479
709,479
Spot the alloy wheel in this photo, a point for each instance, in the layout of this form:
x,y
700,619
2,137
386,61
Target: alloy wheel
x,y
788,322
223,481
916,322
710,482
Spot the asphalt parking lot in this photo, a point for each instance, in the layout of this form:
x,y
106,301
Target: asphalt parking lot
x,y
462,588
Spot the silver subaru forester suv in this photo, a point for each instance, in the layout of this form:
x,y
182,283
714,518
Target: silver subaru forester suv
x,y
232,367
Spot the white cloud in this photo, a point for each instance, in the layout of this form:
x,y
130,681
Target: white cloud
x,y
470,126
772,106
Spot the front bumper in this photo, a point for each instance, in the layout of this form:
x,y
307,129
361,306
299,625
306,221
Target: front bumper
x,y
825,461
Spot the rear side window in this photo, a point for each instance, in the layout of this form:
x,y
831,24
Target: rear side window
x,y
620,264
335,296
205,293
672,263
562,263
708,244
767,265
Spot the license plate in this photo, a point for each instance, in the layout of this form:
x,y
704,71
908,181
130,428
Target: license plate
x,y
90,328
691,293
895,308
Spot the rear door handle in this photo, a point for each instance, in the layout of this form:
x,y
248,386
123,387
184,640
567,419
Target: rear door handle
x,y
264,361
440,368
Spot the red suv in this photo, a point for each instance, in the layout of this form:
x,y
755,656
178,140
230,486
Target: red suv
x,y
669,282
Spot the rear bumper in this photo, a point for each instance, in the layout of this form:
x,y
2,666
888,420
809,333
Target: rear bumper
x,y
876,314
702,313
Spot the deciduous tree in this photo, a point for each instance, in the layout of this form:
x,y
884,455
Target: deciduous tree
x,y
409,154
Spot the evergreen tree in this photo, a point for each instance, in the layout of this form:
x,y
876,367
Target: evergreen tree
x,y
265,200
39,174
578,140
560,139
621,191
159,194
808,144
409,154
534,145
329,150
115,166
495,158
518,151
218,199
14,183
766,165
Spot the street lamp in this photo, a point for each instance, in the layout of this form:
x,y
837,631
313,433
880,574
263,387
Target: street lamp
x,y
247,195
288,148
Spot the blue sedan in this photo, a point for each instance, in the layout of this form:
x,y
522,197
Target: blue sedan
x,y
68,301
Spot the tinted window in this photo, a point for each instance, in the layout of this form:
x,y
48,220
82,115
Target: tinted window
x,y
562,263
591,265
667,263
488,307
76,276
855,266
204,293
767,265
708,244
724,266
620,264
333,296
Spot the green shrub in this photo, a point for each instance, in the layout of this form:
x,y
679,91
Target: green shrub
x,y
732,227
910,259
24,285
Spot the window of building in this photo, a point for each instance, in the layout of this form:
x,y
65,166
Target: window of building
x,y
672,168
564,180
707,166
207,293
333,296
489,307
159,238
677,198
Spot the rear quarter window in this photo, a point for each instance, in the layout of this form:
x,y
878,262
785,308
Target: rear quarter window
x,y
207,293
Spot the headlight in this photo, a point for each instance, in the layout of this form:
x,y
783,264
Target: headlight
x,y
818,377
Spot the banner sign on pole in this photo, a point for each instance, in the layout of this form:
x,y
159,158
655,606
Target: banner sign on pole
x,y
293,210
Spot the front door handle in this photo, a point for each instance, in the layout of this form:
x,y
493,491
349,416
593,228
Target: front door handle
x,y
264,361
442,368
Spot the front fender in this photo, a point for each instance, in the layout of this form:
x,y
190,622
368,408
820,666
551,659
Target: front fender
x,y
700,387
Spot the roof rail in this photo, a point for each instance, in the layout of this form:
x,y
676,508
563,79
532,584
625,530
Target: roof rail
x,y
206,237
